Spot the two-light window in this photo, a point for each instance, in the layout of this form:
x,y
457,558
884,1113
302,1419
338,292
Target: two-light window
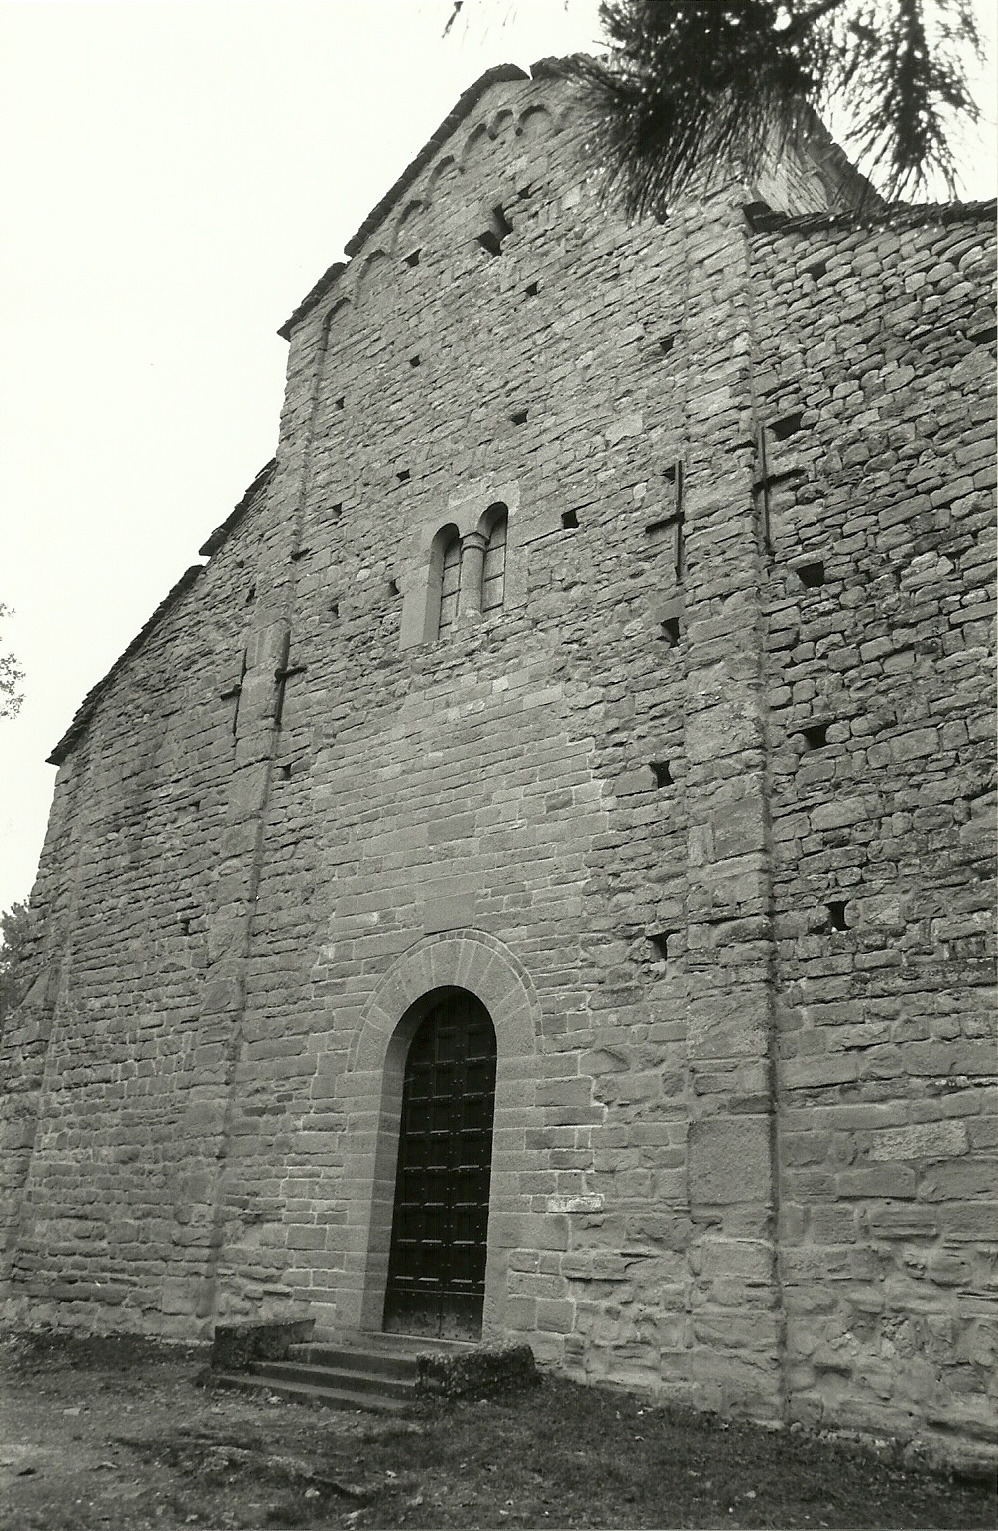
x,y
459,587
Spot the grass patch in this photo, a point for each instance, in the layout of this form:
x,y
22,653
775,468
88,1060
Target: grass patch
x,y
117,1437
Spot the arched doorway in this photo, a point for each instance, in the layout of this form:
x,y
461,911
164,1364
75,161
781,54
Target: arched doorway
x,y
436,1266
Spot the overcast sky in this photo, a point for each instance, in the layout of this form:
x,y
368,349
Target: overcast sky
x,y
174,176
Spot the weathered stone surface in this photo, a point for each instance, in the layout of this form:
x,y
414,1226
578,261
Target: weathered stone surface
x,y
728,1161
702,809
235,1346
491,1372
886,978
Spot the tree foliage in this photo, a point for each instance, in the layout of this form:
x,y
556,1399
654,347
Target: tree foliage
x,y
693,86
11,676
689,87
14,928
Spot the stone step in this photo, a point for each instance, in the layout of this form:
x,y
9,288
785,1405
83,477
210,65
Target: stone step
x,y
394,1354
350,1371
307,1392
350,1358
391,1342
353,1377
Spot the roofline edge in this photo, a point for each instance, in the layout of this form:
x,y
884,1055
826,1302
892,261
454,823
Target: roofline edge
x,y
466,102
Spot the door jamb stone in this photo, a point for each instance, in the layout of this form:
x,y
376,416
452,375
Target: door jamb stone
x,y
486,968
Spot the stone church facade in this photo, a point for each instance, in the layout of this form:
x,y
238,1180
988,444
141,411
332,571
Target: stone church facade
x,y
578,747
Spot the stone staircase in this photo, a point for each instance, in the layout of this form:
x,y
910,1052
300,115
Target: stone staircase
x,y
358,1371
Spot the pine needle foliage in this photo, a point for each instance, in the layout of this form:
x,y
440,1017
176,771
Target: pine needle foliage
x,y
11,674
694,88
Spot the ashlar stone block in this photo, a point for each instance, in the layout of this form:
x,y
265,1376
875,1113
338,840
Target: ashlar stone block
x,y
728,1161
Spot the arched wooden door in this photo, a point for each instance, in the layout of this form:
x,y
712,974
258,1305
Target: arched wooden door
x,y
436,1269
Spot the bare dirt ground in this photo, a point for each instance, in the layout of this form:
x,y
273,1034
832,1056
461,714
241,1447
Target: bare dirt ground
x,y
124,1435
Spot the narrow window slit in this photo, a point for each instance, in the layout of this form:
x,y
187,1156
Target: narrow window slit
x,y
403,475
334,608
670,632
660,940
836,914
494,564
812,574
666,344
393,588
786,427
285,771
491,238
570,520
185,927
251,595
662,773
815,736
450,585
336,510
341,403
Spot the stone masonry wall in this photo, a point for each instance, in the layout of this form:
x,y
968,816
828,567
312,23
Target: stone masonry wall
x,y
109,1074
499,780
876,371
293,809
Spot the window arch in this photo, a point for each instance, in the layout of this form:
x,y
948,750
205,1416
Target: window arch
x,y
494,524
450,584
471,569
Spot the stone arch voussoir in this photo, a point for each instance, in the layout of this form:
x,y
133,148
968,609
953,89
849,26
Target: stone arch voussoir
x,y
466,959
372,1097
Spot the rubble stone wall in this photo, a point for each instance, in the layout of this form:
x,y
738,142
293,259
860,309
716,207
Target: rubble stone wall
x,y
876,368
106,1072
